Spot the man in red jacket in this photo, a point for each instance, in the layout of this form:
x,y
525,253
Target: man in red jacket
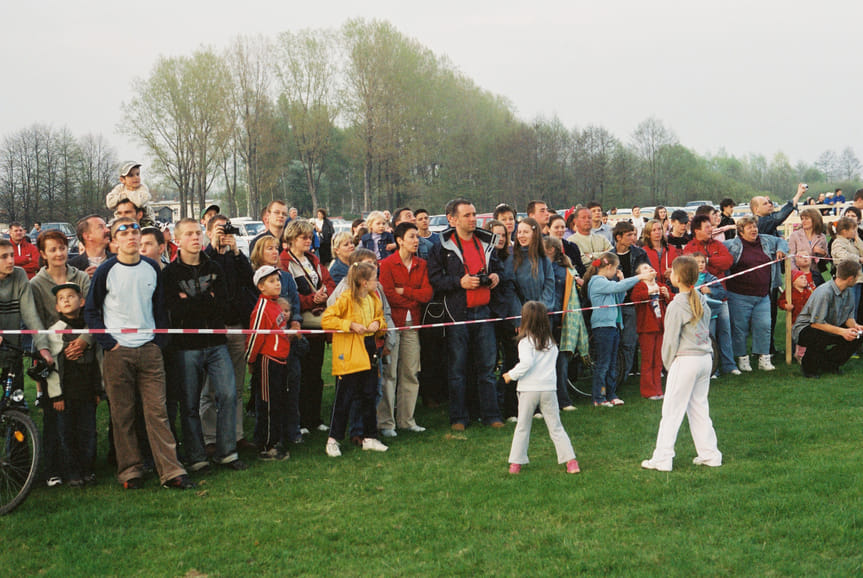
x,y
404,278
719,260
26,253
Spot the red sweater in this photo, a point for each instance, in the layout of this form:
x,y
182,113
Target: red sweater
x,y
26,256
646,321
267,314
798,300
719,260
417,289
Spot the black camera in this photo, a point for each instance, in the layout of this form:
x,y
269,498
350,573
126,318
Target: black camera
x,y
229,229
40,371
484,280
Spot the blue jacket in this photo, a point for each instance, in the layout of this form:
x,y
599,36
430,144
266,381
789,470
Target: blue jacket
x,y
768,224
504,300
386,239
535,288
603,291
559,285
770,245
426,245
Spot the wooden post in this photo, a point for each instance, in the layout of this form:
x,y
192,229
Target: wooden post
x,y
788,352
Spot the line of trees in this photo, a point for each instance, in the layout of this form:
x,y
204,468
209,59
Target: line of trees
x,y
365,117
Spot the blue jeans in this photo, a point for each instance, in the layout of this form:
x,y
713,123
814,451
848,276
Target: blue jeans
x,y
750,315
215,363
721,330
628,339
472,348
607,340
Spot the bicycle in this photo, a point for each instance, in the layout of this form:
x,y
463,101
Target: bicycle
x,y
19,440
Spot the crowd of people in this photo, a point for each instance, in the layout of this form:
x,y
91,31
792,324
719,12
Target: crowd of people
x,y
639,297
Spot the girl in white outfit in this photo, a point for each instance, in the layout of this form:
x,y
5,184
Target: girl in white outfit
x,y
687,353
537,386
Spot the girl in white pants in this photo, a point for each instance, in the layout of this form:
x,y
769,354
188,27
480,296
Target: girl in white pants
x,y
687,353
537,386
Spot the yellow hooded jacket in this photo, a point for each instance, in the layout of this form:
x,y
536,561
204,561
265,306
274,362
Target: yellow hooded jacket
x,y
349,351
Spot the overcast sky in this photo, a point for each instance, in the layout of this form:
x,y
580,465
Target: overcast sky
x,y
753,76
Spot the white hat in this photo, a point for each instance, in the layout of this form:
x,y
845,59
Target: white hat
x,y
264,271
127,168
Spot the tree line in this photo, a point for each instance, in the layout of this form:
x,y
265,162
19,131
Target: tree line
x,y
366,117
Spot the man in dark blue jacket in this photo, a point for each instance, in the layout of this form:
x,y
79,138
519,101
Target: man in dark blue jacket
x,y
463,271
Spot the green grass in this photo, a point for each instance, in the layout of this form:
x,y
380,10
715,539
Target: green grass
x,y
788,500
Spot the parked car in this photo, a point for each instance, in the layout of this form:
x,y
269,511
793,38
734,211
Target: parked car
x,y
68,230
248,230
438,223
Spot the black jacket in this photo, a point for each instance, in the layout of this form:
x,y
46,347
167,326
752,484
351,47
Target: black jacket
x,y
446,268
203,307
242,294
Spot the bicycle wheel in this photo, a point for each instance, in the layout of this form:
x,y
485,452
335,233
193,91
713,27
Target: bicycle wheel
x,y
19,458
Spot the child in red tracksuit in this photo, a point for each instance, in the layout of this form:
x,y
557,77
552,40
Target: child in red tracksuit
x,y
650,326
273,350
800,293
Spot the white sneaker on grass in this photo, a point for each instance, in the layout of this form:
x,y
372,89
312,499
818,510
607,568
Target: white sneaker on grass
x,y
743,363
651,465
323,427
416,428
764,363
389,433
374,444
333,449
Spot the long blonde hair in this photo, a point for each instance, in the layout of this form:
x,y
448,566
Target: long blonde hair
x,y
357,274
686,269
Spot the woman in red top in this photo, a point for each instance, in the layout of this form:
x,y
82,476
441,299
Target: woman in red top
x,y
660,253
314,285
404,278
649,322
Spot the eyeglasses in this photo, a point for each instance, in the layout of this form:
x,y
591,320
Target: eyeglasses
x,y
127,226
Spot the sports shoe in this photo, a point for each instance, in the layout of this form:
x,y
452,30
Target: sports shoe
x,y
572,467
603,404
54,481
389,433
374,445
304,431
497,424
181,482
698,461
616,401
512,419
323,427
202,467
416,428
90,480
651,465
743,363
735,371
566,408
656,397
764,363
236,465
457,427
333,449
272,455
537,415
133,484
76,483
514,468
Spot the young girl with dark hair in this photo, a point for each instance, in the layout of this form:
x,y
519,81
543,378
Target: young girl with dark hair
x,y
535,373
688,355
606,320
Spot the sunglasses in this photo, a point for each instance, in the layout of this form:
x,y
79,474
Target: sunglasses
x,y
127,226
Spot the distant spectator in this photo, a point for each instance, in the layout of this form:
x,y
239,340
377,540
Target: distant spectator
x,y
768,218
589,243
809,238
422,222
34,232
597,224
677,235
726,207
274,218
26,253
94,238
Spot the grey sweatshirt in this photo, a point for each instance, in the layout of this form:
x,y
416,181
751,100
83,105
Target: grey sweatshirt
x,y
17,304
682,337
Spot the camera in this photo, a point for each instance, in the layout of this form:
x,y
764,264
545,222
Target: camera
x,y
484,280
40,371
805,187
229,229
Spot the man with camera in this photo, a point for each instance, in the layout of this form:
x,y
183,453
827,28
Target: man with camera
x,y
463,272
826,327
768,219
242,296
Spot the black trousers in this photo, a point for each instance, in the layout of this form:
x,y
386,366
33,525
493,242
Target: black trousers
x,y
825,352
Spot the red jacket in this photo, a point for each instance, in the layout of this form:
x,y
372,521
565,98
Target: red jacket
x,y
719,260
417,289
26,256
798,300
267,314
669,254
646,321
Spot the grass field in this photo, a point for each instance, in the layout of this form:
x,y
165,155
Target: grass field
x,y
787,501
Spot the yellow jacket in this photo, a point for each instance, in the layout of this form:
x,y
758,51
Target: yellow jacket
x,y
349,351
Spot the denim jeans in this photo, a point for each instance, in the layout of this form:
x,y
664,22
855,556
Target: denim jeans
x,y
628,339
722,334
605,367
750,315
563,399
472,348
214,363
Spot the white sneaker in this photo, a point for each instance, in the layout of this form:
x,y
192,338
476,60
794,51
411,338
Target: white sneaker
x,y
323,427
651,465
389,433
416,428
512,419
333,449
704,462
304,431
374,445
565,408
743,363
764,363
735,371
537,415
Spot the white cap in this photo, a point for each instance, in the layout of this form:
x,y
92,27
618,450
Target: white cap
x,y
264,271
